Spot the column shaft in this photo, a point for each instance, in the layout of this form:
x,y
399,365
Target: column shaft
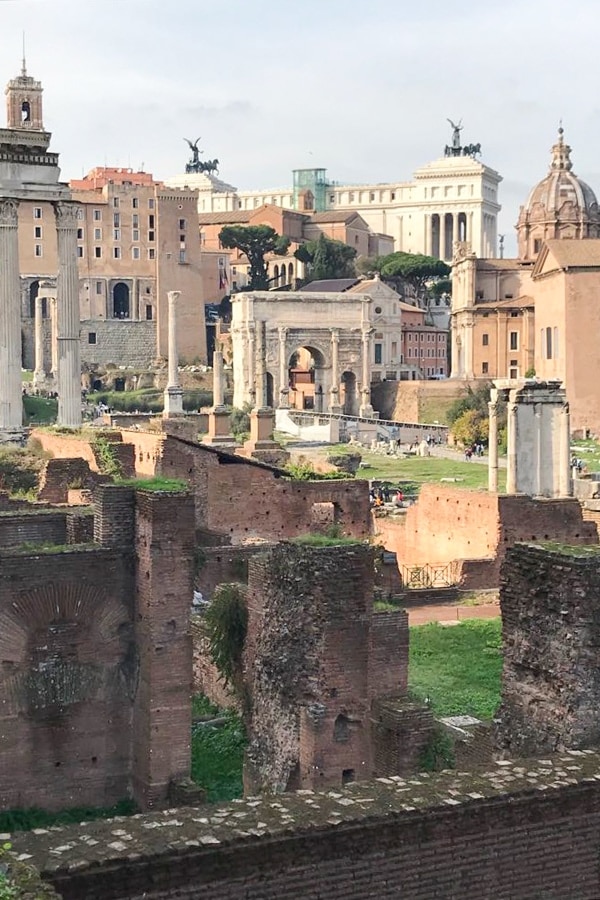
x,y
173,395
53,339
11,403
39,375
67,304
511,460
261,373
565,476
218,392
284,391
335,371
493,448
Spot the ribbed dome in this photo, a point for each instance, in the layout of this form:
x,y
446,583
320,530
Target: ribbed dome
x,y
561,205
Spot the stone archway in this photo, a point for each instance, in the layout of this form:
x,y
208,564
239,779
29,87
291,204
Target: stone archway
x,y
306,374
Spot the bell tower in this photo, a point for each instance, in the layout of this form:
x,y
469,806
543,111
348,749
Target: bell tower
x,y
24,102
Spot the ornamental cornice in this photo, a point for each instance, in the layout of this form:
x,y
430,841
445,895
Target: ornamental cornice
x,y
9,213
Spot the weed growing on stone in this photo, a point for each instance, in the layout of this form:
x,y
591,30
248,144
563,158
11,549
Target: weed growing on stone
x,y
457,668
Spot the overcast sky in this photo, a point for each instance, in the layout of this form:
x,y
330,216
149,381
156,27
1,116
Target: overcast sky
x,y
360,88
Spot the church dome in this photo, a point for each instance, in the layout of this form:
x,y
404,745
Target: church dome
x,y
560,206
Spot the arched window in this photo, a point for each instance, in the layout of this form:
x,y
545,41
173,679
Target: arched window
x,y
25,111
290,273
276,275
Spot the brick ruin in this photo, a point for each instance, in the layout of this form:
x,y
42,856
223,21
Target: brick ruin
x,y
551,635
96,652
327,675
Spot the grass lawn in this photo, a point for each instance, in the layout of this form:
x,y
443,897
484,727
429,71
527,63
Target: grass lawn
x,y
427,469
40,410
589,452
217,753
457,667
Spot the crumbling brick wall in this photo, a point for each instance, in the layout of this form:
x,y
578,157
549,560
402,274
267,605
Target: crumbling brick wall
x,y
58,475
551,633
316,659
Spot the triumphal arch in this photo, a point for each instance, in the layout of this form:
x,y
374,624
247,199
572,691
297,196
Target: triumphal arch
x,y
311,350
29,172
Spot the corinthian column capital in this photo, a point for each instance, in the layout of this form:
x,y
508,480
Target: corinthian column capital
x,y
9,213
66,214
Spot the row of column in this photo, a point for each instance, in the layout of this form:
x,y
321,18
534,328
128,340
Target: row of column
x,y
68,362
443,232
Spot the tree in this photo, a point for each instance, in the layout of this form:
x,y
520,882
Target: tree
x,y
255,241
326,258
414,268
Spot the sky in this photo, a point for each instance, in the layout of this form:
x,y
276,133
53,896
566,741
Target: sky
x,y
361,89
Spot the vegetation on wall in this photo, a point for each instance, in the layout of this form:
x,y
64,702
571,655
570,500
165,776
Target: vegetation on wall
x,y
217,751
226,623
20,469
147,400
108,462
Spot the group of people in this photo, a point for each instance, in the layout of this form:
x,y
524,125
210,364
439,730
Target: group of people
x,y
475,450
380,495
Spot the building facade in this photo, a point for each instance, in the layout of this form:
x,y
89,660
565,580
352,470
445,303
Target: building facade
x,y
452,198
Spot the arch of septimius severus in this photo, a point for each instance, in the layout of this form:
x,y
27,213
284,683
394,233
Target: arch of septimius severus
x,y
29,171
335,331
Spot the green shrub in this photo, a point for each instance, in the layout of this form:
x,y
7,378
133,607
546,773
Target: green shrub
x,y
240,422
226,622
19,470
438,754
107,460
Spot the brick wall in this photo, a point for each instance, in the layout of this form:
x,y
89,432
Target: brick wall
x,y
551,631
58,475
67,674
164,544
243,499
513,832
118,340
43,527
206,678
316,659
449,523
401,731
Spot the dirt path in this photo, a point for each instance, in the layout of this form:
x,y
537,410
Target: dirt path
x,y
451,614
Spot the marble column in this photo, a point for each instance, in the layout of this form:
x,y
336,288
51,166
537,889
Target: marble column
x,y
11,403
284,390
251,362
334,392
173,395
219,420
53,340
67,307
366,410
565,476
493,447
511,456
260,376
39,375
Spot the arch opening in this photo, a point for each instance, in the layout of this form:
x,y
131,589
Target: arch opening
x,y
306,373
121,305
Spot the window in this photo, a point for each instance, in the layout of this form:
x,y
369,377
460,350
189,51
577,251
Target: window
x,y
393,195
116,220
182,258
548,343
513,372
182,240
537,245
116,202
150,221
135,234
97,215
151,253
97,234
148,312
116,234
135,202
135,252
98,252
37,212
151,203
514,340
38,250
514,315
508,296
98,287
80,252
422,338
332,198
91,337
37,232
394,349
80,234
135,221
484,368
116,252
150,235
182,224
378,354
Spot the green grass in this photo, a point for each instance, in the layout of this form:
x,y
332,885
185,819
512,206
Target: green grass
x,y
218,753
147,400
457,667
26,819
26,376
39,410
171,485
589,452
324,540
421,470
